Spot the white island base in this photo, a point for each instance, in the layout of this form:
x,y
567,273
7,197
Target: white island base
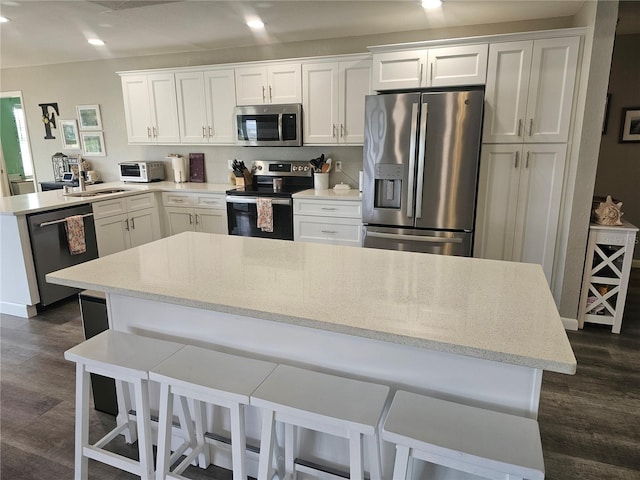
x,y
495,385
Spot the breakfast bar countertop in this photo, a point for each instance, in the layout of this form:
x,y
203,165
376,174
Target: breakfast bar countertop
x,y
494,310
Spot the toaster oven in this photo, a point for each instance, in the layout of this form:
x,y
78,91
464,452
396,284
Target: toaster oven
x,y
141,171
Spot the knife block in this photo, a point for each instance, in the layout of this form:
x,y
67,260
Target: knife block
x,y
245,180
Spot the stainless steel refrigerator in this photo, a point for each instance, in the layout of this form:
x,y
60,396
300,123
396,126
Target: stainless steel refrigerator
x,y
421,156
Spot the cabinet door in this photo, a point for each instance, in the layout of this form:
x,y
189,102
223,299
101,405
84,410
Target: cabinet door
x,y
220,103
539,198
284,83
497,201
137,108
164,108
394,70
211,221
506,91
179,220
192,108
553,75
112,234
251,85
355,84
144,226
320,103
451,66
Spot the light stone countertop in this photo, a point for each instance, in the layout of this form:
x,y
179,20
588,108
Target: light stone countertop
x,y
500,311
53,199
353,194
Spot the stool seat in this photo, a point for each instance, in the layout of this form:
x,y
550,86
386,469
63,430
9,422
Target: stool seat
x,y
467,438
208,376
324,403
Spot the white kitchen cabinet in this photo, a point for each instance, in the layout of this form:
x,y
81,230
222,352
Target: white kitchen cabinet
x,y
206,102
529,90
127,222
333,101
150,108
430,67
337,222
200,212
518,209
268,84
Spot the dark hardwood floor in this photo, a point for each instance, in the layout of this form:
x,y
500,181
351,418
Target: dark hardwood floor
x,y
590,422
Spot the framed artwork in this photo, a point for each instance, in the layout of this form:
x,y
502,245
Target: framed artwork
x,y
93,144
89,117
630,125
605,121
70,138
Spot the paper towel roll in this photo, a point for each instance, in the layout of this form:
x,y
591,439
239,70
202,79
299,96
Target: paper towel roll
x,y
179,165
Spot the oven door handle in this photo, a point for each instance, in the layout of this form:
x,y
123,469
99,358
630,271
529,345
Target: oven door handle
x,y
274,201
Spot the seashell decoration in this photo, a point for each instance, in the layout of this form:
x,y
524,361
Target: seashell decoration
x,y
608,212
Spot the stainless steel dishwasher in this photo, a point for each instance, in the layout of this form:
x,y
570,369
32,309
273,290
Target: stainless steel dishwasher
x,y
51,251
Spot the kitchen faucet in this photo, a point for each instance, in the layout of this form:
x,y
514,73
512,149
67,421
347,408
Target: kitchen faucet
x,y
81,184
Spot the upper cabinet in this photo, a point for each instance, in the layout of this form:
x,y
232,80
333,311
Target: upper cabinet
x,y
333,101
269,84
206,101
529,90
150,108
432,67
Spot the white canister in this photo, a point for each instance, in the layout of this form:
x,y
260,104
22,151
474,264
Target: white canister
x,y
321,181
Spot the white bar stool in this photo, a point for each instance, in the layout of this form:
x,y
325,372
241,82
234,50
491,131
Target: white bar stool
x,y
210,377
126,358
324,403
474,440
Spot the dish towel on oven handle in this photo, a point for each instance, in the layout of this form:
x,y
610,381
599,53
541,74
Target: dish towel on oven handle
x,y
74,226
265,214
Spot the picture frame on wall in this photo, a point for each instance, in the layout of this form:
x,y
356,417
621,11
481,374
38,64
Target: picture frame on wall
x,y
630,125
93,144
89,117
70,137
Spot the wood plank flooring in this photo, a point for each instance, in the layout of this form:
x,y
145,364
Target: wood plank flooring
x,y
590,422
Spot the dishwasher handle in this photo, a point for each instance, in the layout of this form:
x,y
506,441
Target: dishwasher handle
x,y
62,220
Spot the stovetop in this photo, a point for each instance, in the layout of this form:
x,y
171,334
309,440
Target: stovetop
x,y
295,177
267,191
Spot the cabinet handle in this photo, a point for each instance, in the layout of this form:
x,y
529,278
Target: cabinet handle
x,y
420,74
155,132
270,95
190,219
210,131
197,219
133,224
334,131
148,132
526,165
517,159
126,224
531,127
330,232
430,73
264,99
519,127
329,209
204,132
341,130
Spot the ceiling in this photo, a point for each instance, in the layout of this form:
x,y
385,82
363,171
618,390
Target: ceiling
x,y
51,31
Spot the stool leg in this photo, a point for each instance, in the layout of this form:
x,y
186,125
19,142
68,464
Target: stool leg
x,y
186,425
402,462
238,442
290,442
375,468
200,413
266,445
123,396
143,420
355,456
165,415
82,421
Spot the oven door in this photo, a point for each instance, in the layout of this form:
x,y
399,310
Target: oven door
x,y
242,218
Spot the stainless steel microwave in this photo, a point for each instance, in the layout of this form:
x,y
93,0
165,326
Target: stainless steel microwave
x,y
141,171
269,125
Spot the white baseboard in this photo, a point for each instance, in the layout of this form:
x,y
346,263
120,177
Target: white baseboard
x,y
570,323
17,310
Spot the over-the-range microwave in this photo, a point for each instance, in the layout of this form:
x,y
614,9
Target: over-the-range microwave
x,y
141,171
269,125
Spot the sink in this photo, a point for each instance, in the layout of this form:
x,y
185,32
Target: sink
x,y
96,193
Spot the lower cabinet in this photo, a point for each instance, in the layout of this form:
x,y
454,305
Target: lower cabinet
x,y
328,221
199,212
519,197
126,222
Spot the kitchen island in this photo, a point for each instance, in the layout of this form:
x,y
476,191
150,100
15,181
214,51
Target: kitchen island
x,y
475,331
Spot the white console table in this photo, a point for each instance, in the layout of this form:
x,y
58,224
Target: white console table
x,y
606,274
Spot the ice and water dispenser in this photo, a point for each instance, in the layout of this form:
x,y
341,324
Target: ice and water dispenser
x,y
388,185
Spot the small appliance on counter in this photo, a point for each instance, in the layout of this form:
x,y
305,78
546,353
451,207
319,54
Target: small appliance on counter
x,y
142,172
179,165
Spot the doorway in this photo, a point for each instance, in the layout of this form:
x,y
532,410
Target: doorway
x,y
16,163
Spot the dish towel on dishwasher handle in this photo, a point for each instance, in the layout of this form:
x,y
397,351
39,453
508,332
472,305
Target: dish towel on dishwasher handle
x,y
74,226
265,214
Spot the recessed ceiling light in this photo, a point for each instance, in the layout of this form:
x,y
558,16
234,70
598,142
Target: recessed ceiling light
x,y
95,41
255,24
429,4
4,19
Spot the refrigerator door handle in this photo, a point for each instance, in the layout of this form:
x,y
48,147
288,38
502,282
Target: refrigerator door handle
x,y
412,159
421,159
414,238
